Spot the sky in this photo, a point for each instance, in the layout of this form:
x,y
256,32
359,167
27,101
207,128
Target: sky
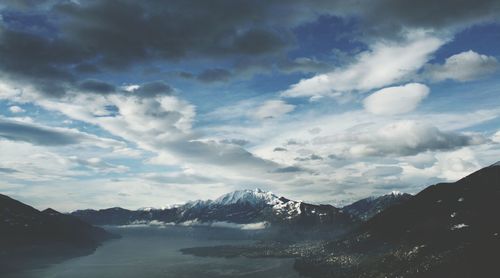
x,y
151,103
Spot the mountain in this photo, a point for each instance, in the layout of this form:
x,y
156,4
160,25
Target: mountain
x,y
240,207
369,207
446,230
29,235
110,216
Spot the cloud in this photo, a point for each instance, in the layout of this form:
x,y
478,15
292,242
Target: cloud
x,y
98,165
496,137
289,169
68,57
52,54
464,66
7,170
404,138
309,158
163,125
272,109
151,89
50,136
396,100
392,16
229,156
197,223
227,225
214,75
16,109
96,86
303,64
421,160
384,64
383,171
123,35
26,162
178,178
101,36
19,131
239,142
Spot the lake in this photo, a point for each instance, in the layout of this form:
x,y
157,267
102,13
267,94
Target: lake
x,y
154,252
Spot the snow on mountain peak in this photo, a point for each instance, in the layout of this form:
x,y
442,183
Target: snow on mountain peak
x,y
394,193
146,209
254,197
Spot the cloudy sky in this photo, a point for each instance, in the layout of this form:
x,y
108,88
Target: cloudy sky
x,y
149,103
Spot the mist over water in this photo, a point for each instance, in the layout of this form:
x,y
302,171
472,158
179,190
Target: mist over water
x,y
154,253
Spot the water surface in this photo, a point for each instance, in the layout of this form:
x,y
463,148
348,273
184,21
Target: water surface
x,y
153,252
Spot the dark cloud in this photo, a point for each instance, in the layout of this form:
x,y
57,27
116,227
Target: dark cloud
x,y
258,41
214,75
392,16
303,64
214,153
208,75
87,68
406,138
71,38
29,4
239,142
38,60
7,170
311,157
19,131
153,89
279,149
97,86
289,169
185,75
49,136
128,31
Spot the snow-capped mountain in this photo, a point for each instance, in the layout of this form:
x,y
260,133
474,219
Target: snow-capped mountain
x,y
256,197
369,207
240,207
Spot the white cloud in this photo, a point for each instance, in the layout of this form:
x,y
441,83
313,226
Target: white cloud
x,y
97,164
272,109
16,109
34,163
227,225
384,64
496,137
421,160
162,124
396,100
251,108
465,66
352,145
449,166
409,138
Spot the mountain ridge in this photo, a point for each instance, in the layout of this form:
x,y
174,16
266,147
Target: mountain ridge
x,y
239,207
446,230
29,236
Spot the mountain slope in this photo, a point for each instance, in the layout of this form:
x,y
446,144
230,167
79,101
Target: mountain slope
x,y
369,207
29,235
446,230
241,207
110,216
